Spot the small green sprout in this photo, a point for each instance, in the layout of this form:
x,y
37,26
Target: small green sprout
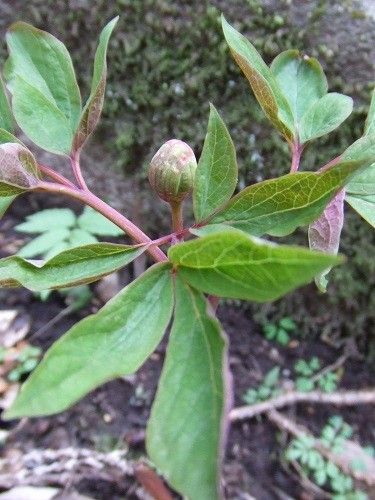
x,y
280,332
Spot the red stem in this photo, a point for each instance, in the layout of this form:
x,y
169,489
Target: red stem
x,y
55,176
177,220
330,164
214,301
74,160
297,149
110,213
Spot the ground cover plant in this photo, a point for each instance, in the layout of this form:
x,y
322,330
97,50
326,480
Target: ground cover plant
x,y
231,250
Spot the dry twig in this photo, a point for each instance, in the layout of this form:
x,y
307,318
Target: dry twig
x,y
340,398
62,467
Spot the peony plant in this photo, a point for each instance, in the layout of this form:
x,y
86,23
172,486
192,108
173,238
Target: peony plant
x,y
231,250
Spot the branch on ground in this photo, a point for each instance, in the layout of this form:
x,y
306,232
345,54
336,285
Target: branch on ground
x,y
340,398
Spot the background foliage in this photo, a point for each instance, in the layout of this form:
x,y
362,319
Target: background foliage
x,y
168,59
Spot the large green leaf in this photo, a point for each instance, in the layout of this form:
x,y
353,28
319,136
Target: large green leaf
x,y
71,267
325,115
361,189
261,79
364,205
370,121
18,169
301,79
231,264
363,150
324,233
6,117
186,430
278,206
111,343
46,99
40,119
93,107
216,175
363,183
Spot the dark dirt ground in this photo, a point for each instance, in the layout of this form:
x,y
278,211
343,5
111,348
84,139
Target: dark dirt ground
x,y
115,415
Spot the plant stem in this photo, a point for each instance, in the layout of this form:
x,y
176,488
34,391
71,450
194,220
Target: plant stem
x,y
214,301
55,176
177,220
170,237
297,149
74,160
110,213
330,164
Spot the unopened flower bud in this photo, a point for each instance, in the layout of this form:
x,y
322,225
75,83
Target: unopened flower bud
x,y
172,170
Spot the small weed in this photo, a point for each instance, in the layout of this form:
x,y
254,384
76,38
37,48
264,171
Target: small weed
x,y
266,390
280,332
322,471
25,362
309,379
59,229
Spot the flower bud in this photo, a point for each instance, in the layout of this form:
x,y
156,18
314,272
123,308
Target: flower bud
x,y
172,170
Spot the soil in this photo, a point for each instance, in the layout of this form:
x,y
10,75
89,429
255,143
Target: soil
x,y
115,415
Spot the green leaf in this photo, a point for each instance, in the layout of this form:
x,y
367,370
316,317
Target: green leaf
x,y
363,182
114,342
216,175
325,115
325,232
6,136
43,243
188,417
59,247
282,337
261,79
272,377
370,120
95,223
46,220
362,150
278,206
80,237
40,119
231,264
5,203
46,99
288,324
304,384
301,79
361,188
364,205
6,117
93,107
18,169
71,267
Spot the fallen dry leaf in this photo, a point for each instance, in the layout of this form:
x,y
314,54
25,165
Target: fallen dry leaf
x,y
14,326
